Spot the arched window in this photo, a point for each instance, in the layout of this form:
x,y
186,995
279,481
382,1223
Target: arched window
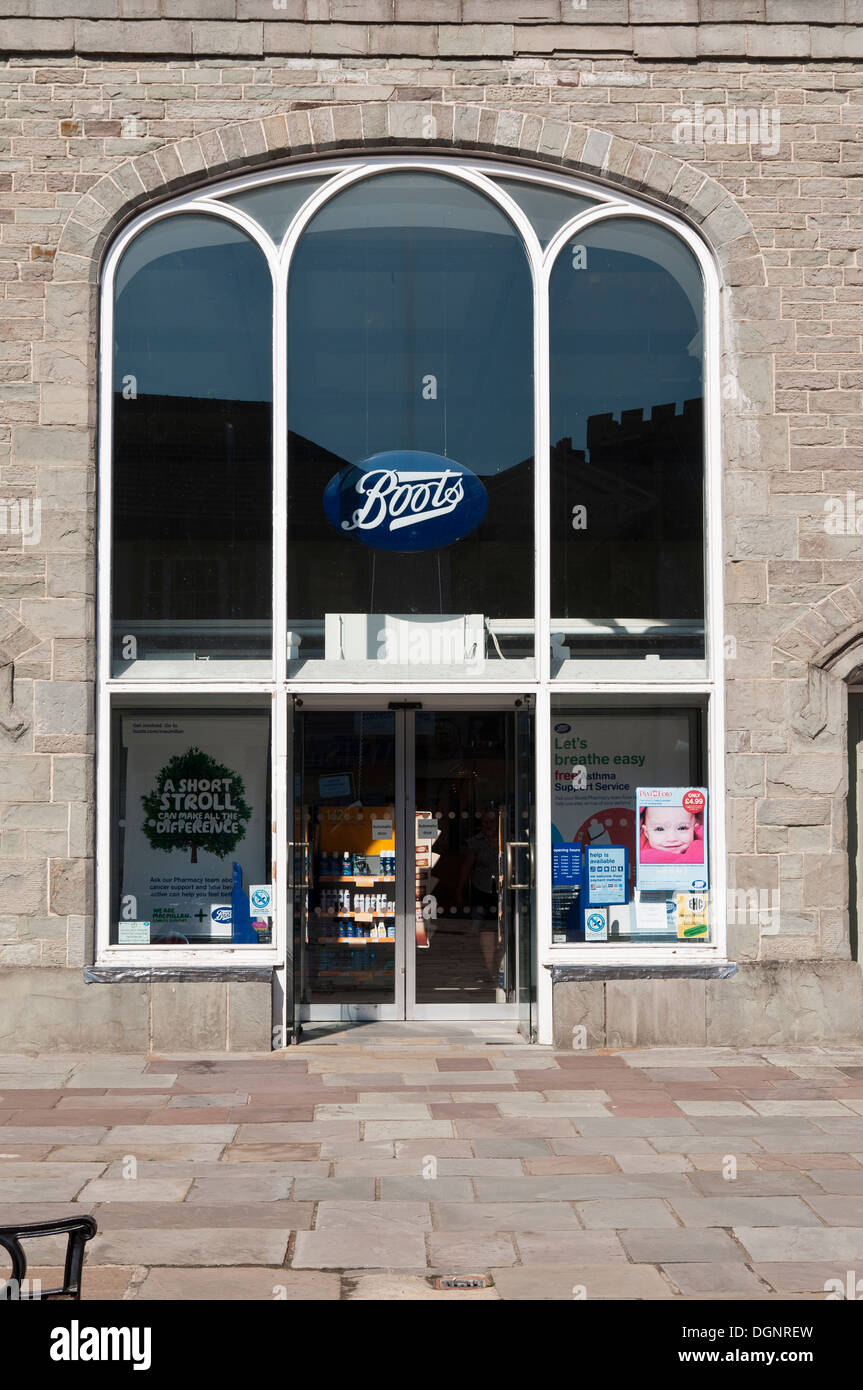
x,y
388,426
626,394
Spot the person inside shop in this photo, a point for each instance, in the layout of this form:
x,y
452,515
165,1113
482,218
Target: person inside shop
x,y
480,871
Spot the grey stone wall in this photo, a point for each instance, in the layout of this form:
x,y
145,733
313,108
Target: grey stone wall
x,y
124,101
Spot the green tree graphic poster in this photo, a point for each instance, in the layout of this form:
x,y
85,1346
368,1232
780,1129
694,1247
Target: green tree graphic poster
x,y
198,804
195,799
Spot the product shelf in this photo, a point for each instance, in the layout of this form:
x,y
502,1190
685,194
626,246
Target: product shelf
x,y
364,879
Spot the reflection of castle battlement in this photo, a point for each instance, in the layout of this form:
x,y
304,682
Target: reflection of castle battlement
x,y
638,434
639,481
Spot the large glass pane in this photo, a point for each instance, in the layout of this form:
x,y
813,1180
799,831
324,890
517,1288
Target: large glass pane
x,y
548,208
275,205
347,795
629,810
190,827
192,452
410,408
472,858
627,474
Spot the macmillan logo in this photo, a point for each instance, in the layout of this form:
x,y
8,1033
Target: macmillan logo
x,y
405,500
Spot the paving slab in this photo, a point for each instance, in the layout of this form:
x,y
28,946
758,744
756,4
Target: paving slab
x,y
680,1246
189,1247
145,1190
581,1281
361,1248
359,1188
569,1247
283,1215
241,1184
98,1284
409,1129
304,1133
709,1279
648,1212
757,1183
835,1180
792,1243
440,1189
801,1277
13,1135
503,1216
39,1189
131,1135
741,1211
144,1153
240,1285
373,1216
476,1251
838,1211
571,1187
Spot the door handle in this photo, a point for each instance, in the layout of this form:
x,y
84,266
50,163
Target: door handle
x,y
306,873
511,847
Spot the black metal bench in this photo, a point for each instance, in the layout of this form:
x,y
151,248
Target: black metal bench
x,y
79,1229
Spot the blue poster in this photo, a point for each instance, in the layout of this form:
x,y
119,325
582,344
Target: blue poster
x,y
566,862
606,875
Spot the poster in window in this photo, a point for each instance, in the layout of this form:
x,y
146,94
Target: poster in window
x,y
195,804
672,839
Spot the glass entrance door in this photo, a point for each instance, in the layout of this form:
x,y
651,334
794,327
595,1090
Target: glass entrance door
x,y
411,867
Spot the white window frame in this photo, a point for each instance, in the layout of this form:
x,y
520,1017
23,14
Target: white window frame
x,y
478,173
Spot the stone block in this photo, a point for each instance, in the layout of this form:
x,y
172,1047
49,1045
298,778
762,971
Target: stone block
x,y
23,885
250,1014
54,1011
38,35
579,1004
63,707
189,1016
25,778
143,36
784,1003
71,886
648,1012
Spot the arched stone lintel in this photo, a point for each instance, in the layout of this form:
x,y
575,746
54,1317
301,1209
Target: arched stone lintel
x,y
415,127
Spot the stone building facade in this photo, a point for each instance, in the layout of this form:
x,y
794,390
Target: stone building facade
x,y
119,104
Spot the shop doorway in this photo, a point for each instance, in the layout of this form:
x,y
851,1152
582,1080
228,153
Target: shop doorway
x,y
412,863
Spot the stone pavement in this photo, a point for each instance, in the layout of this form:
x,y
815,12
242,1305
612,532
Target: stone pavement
x,y
368,1160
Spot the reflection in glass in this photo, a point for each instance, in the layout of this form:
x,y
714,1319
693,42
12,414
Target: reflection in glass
x,y
410,329
192,446
626,306
275,205
547,208
190,827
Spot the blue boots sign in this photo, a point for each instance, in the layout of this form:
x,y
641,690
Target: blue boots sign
x,y
405,500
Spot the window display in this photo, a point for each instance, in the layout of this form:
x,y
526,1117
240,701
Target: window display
x,y
191,829
630,862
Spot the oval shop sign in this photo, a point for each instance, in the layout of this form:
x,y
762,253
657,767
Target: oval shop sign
x,y
405,500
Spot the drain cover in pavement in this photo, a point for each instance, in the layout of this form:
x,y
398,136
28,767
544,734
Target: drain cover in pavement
x,y
463,1281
